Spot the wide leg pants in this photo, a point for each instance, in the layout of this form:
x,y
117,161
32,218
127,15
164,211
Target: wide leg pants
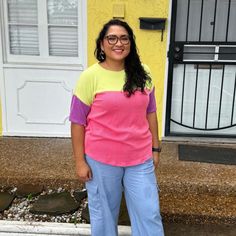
x,y
141,193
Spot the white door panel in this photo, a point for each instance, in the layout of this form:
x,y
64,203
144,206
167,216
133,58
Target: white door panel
x,y
38,101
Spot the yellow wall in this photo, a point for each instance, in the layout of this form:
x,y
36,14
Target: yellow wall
x,y
0,119
151,49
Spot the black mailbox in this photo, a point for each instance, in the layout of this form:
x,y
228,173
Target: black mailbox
x,y
152,23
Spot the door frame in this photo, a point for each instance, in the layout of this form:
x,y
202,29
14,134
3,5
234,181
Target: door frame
x,y
166,77
169,71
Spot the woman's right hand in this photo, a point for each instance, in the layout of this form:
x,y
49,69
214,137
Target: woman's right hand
x,y
83,171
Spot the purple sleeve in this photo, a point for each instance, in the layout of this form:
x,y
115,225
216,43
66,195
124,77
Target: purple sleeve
x,y
152,102
78,111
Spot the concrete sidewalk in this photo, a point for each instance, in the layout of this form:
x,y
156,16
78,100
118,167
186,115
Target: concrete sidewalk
x,y
190,192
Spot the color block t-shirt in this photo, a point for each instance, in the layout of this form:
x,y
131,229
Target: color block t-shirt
x,y
116,126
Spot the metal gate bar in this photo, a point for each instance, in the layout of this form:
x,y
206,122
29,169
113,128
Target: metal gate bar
x,y
208,94
187,20
195,97
232,114
214,23
227,27
200,30
182,102
221,94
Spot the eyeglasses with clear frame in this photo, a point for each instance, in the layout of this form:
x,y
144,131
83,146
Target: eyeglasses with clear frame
x,y
113,39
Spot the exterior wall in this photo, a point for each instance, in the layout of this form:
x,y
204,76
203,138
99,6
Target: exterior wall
x,y
152,50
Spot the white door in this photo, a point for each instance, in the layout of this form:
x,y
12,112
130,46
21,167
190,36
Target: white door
x,y
44,44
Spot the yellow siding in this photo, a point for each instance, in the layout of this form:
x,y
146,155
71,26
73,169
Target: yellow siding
x,y
152,50
0,119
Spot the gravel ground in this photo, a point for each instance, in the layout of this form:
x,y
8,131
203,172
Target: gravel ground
x,y
19,210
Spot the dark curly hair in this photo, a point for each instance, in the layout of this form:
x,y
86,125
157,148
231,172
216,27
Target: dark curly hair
x,y
136,76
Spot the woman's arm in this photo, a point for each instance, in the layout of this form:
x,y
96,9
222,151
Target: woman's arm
x,y
82,169
153,126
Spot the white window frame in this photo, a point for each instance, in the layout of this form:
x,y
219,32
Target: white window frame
x,y
44,57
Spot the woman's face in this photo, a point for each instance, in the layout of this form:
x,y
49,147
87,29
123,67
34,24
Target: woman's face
x,y
116,44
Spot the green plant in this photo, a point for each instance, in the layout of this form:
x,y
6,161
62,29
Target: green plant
x,y
30,196
73,220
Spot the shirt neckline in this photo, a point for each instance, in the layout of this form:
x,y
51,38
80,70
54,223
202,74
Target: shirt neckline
x,y
111,71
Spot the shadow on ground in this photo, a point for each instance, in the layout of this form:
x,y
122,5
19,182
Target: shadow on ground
x,y
178,229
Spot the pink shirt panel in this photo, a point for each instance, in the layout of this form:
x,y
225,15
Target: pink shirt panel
x,y
117,131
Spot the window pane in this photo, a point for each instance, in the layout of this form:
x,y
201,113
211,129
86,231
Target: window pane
x,y
23,29
63,12
23,11
221,20
227,96
63,41
23,40
194,20
227,53
207,20
232,20
181,20
63,28
189,95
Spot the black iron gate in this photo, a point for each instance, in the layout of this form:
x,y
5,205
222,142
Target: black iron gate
x,y
201,95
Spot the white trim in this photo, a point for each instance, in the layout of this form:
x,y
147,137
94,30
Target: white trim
x,y
5,27
47,228
1,43
2,84
83,46
42,28
49,60
35,134
3,102
45,66
188,60
166,71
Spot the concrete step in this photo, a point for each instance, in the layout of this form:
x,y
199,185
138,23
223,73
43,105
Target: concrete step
x,y
13,228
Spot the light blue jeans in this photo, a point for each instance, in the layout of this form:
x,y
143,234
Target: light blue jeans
x,y
141,193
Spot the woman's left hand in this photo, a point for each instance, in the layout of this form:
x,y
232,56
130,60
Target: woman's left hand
x,y
156,159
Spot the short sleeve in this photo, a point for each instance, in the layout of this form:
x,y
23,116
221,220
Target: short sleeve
x,y
152,102
82,99
78,111
84,89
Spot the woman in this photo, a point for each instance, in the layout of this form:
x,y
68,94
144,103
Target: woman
x,y
115,135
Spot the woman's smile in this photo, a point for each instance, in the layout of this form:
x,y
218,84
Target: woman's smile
x,y
116,45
